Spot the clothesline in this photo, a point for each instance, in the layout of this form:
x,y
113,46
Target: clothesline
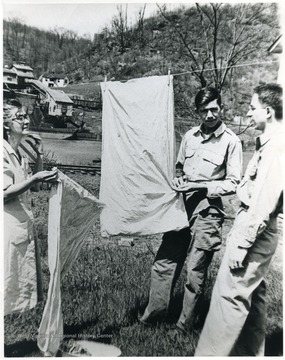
x,y
221,68
227,67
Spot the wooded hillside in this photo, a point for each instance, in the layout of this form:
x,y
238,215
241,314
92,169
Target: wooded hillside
x,y
212,41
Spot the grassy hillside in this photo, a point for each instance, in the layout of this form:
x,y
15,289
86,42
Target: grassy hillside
x,y
89,90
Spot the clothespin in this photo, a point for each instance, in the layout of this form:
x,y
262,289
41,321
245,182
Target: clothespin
x,y
168,76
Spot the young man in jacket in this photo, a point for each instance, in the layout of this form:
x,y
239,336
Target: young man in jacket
x,y
236,322
208,167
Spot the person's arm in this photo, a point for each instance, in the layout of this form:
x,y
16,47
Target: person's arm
x,y
38,167
14,190
216,188
228,185
266,194
35,141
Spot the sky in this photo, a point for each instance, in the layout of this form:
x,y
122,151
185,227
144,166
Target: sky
x,y
83,18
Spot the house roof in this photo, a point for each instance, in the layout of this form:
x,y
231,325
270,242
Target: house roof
x,y
60,96
54,76
276,47
9,71
22,67
28,75
57,95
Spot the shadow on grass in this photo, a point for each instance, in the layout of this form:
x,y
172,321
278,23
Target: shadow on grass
x,y
175,307
202,309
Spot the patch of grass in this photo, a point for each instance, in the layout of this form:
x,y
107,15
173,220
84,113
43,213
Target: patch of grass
x,y
107,289
88,90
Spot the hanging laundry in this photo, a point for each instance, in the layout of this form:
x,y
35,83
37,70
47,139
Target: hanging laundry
x,y
138,151
72,211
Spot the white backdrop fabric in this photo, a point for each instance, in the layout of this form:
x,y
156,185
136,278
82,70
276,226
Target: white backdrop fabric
x,y
138,154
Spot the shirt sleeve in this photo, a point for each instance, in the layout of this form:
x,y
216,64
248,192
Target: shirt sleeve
x,y
217,188
265,197
251,170
8,174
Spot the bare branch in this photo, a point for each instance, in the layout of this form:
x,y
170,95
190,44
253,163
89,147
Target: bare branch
x,y
204,28
179,34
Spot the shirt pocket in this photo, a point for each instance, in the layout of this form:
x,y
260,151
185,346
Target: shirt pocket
x,y
213,165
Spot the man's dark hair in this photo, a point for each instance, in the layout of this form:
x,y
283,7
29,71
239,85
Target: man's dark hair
x,y
271,95
207,95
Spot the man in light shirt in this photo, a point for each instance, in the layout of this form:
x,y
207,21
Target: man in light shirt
x,y
236,322
208,167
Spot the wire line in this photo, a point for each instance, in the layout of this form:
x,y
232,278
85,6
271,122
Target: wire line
x,y
226,67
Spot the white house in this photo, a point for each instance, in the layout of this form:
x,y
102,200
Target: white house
x,y
59,103
54,80
55,102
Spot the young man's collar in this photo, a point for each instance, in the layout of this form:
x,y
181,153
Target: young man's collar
x,y
262,139
217,132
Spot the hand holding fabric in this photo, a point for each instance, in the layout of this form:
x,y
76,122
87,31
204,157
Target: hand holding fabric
x,y
179,181
181,184
46,176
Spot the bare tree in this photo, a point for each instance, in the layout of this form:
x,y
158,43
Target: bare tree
x,y
13,41
61,35
120,25
227,34
71,35
140,26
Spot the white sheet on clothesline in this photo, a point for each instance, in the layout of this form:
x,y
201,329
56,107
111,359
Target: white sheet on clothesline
x,y
138,151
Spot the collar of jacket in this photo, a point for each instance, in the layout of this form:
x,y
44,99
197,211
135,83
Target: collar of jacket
x,y
219,131
262,139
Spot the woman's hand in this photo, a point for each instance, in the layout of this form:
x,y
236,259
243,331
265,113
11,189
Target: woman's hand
x,y
35,141
46,176
30,183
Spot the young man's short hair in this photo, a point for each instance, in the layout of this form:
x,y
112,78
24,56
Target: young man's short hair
x,y
207,95
271,95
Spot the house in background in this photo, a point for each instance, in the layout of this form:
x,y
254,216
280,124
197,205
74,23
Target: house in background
x,y
59,103
15,77
53,102
54,80
23,73
9,78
